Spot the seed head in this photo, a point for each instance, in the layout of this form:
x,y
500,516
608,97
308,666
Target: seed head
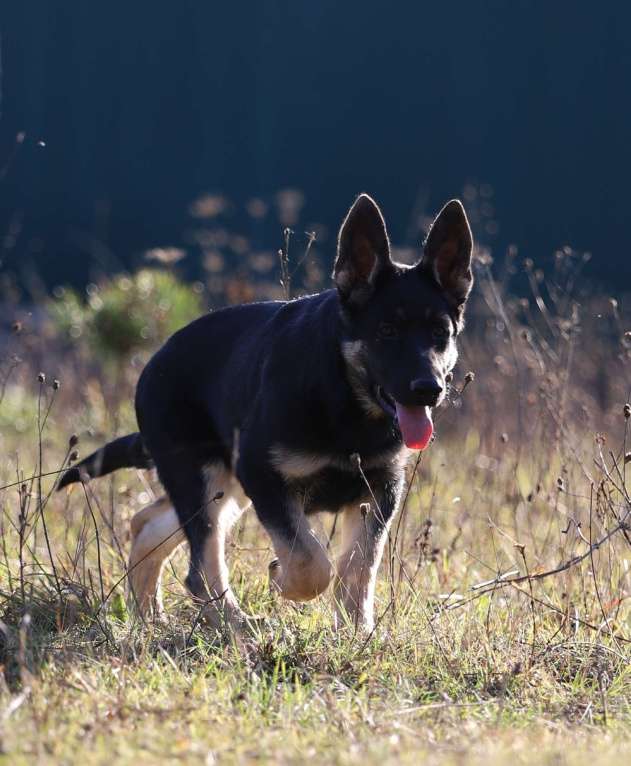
x,y
560,484
469,377
41,378
73,440
356,460
627,411
56,385
73,456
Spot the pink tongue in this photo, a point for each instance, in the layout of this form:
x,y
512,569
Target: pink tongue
x,y
415,424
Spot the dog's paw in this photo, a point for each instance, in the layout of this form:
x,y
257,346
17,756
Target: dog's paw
x,y
228,619
352,623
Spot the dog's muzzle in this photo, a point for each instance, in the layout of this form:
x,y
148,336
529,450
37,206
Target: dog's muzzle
x,y
426,391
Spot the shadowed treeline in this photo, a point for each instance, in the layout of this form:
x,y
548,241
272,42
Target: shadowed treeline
x,y
144,106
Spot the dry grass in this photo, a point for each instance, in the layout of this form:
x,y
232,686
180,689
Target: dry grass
x,y
504,631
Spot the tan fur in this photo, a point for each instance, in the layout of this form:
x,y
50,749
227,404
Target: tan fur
x,y
353,353
356,570
301,572
296,464
303,569
156,534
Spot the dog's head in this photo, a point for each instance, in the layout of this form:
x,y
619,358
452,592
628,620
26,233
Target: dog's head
x,y
401,322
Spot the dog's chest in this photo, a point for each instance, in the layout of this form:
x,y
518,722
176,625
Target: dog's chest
x,y
324,482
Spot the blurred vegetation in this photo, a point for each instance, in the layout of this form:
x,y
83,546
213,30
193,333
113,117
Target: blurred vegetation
x,y
124,314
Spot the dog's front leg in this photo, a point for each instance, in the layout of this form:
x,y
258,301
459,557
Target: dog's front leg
x,y
364,535
302,569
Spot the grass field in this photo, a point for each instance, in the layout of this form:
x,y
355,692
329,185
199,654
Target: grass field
x,y
504,627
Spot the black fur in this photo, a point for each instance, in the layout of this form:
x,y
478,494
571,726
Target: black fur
x,y
125,452
314,377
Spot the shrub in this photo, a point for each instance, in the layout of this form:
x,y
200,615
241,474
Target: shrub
x,y
125,314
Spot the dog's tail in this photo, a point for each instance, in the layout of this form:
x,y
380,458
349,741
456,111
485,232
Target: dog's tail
x,y
126,452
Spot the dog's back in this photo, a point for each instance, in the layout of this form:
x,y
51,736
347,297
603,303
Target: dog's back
x,y
204,384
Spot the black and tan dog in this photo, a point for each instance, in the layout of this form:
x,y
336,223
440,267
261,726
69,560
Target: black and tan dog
x,y
272,403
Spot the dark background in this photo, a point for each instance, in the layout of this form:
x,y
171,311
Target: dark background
x,y
144,105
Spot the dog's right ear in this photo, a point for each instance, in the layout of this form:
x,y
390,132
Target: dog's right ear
x,y
363,251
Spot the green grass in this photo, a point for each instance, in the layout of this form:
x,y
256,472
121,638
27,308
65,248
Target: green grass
x,y
462,689
495,679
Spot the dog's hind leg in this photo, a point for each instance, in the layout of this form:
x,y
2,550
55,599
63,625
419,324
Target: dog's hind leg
x,y
156,533
364,535
201,493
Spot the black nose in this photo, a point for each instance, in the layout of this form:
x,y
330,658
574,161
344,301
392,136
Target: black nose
x,y
427,390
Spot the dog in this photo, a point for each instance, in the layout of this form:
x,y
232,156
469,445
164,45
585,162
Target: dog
x,y
296,407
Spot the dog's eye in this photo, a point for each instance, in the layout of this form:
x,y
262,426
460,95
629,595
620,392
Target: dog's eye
x,y
387,330
440,332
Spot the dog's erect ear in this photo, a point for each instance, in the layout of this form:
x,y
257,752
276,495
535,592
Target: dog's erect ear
x,y
363,251
448,250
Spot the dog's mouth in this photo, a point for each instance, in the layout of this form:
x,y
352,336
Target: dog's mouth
x,y
415,421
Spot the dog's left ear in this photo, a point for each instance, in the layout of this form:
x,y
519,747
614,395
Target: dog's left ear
x,y
448,250
363,251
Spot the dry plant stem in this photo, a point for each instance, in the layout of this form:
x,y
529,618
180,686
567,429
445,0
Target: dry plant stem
x,y
108,521
522,551
22,532
98,541
283,255
591,556
622,488
5,555
311,237
25,546
483,588
516,360
40,506
34,477
567,564
575,618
